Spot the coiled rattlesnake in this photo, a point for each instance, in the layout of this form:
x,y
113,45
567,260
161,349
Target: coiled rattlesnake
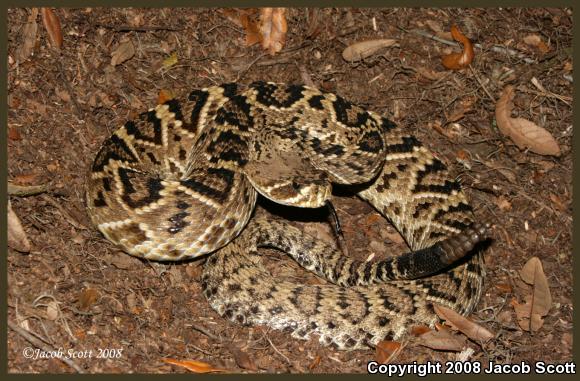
x,y
181,180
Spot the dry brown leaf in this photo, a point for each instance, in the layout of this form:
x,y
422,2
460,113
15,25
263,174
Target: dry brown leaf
x,y
52,26
386,350
430,74
470,329
364,49
504,287
14,133
315,362
314,25
418,330
456,61
194,366
244,360
530,314
124,52
273,28
17,238
52,310
561,205
442,340
164,96
28,39
537,42
250,25
524,133
87,298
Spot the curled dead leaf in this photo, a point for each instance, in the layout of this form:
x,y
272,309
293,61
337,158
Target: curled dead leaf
x,y
273,28
537,42
244,360
52,310
164,96
456,61
469,328
537,305
52,26
87,298
17,238
442,340
194,366
315,362
524,133
385,351
125,51
364,49
28,37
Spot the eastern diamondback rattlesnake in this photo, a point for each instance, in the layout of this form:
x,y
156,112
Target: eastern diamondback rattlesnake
x,y
181,180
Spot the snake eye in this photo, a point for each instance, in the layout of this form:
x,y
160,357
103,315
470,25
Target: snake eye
x,y
295,185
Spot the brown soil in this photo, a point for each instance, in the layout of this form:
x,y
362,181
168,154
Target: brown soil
x,y
76,291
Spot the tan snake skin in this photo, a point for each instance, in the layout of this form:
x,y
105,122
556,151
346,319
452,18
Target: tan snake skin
x,y
182,180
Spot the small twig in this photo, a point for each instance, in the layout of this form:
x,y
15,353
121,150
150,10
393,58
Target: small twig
x,y
42,346
20,190
64,212
69,88
495,48
481,84
244,71
544,205
277,351
205,332
129,28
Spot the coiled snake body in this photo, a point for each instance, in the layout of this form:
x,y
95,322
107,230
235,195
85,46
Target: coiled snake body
x,y
181,180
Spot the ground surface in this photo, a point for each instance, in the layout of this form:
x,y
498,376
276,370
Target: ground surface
x,y
76,291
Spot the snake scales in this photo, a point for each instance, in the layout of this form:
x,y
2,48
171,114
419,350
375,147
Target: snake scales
x,y
182,179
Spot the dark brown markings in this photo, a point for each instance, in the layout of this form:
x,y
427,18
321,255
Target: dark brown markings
x,y
214,183
175,108
372,141
100,200
383,321
177,222
276,310
432,291
387,125
114,149
235,112
388,305
343,302
316,102
153,159
350,343
107,183
409,142
143,132
344,109
386,183
200,98
436,166
153,186
294,298
182,204
424,205
229,146
447,188
270,94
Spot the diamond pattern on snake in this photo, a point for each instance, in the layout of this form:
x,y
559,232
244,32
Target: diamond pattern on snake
x,y
181,181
